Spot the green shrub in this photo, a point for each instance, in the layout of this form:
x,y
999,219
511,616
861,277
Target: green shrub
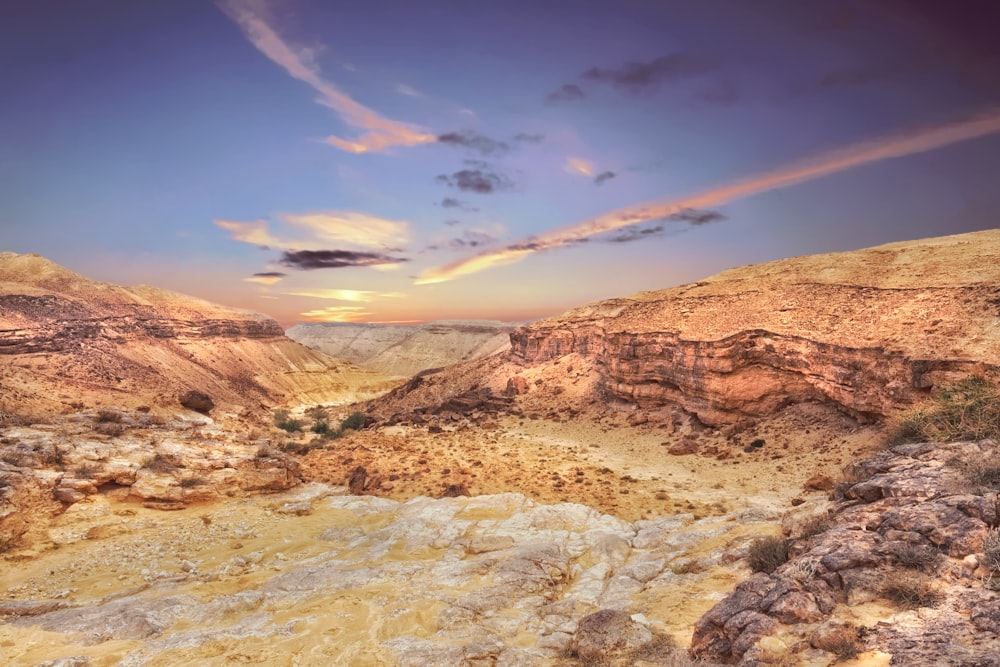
x,y
354,422
967,410
320,428
767,554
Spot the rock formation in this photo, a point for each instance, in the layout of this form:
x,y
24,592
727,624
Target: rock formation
x,y
66,339
404,351
868,330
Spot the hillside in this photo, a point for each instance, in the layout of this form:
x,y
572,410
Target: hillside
x,y
866,331
68,340
404,351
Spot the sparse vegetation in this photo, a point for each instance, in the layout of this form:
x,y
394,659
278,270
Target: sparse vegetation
x,y
162,463
816,526
321,428
917,557
991,548
909,590
284,421
354,422
108,417
842,642
112,429
767,554
191,482
968,410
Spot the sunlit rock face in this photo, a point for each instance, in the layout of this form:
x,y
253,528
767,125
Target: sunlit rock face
x,y
867,330
345,580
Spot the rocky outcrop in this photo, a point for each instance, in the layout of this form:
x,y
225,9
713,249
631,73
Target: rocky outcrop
x,y
867,330
908,532
404,351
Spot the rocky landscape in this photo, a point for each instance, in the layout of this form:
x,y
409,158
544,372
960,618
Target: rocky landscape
x,y
735,472
404,351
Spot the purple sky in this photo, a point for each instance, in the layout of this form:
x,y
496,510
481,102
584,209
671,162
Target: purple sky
x,y
408,160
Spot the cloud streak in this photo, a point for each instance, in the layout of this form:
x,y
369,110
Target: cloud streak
x,y
379,132
899,145
308,260
476,180
635,76
320,230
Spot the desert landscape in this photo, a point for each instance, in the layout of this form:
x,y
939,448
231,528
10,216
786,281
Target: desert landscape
x,y
534,333
600,492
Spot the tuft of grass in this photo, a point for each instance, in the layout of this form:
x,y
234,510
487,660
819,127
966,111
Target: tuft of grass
x,y
767,554
842,642
910,591
917,557
967,410
991,548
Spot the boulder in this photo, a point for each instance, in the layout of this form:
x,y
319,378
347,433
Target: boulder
x,y
607,634
198,401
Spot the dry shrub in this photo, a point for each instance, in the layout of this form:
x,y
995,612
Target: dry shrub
x,y
910,591
967,410
916,556
108,417
816,526
191,482
112,429
163,463
991,548
842,642
767,554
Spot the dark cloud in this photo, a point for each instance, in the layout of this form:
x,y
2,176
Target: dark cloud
x,y
474,141
635,233
635,77
451,202
604,176
696,217
472,238
526,138
270,274
476,180
566,93
334,259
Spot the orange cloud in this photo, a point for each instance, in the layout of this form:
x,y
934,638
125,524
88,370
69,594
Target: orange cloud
x,y
575,165
381,132
336,314
323,229
909,143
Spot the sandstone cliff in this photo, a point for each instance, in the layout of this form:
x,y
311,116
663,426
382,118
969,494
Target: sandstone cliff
x,y
66,339
867,330
404,351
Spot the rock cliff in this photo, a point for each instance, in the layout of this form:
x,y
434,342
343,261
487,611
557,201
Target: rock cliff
x,y
404,351
868,330
66,339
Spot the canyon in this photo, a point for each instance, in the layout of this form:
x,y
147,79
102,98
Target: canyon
x,y
593,494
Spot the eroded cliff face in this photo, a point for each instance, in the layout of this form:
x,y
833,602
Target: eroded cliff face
x,y
868,330
67,340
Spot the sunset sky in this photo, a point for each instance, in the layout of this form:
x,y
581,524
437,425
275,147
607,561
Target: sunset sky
x,y
411,160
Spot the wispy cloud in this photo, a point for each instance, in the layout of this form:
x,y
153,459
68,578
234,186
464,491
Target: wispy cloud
x,y
379,132
451,202
566,93
474,141
308,260
576,165
908,143
604,176
349,295
636,76
336,314
476,180
266,278
320,230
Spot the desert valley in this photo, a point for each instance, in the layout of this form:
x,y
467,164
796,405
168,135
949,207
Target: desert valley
x,y
785,464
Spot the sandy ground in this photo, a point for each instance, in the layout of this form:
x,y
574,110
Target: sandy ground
x,y
621,469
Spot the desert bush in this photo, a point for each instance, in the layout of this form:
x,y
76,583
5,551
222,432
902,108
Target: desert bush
x,y
86,471
917,556
909,590
991,548
112,429
767,554
317,413
321,428
108,417
191,482
21,419
354,422
842,642
967,410
816,526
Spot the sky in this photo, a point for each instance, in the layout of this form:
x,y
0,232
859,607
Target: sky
x,y
402,161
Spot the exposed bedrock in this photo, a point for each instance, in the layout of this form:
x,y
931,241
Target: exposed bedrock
x,y
752,373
